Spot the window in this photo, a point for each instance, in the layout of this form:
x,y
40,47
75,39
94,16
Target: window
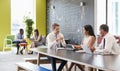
x,y
101,13
108,13
114,16
19,10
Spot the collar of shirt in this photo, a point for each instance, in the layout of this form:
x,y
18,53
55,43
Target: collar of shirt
x,y
55,34
106,35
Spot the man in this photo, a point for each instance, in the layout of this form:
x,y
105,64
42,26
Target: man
x,y
54,39
109,44
19,39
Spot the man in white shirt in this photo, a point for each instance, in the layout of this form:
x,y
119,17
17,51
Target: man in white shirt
x,y
109,44
19,38
54,39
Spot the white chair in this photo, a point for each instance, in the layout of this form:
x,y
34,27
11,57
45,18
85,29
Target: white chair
x,y
8,42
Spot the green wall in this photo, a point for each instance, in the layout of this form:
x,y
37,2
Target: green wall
x,y
4,20
41,16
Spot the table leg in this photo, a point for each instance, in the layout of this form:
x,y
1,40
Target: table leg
x,y
38,60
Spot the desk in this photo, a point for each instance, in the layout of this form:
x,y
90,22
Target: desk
x,y
108,62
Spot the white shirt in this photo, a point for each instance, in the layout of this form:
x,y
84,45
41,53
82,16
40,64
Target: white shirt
x,y
86,40
51,40
110,46
19,37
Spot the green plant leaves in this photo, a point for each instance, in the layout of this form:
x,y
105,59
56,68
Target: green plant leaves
x,y
29,28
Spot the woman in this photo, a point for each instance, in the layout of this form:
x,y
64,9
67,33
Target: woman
x,y
88,40
36,40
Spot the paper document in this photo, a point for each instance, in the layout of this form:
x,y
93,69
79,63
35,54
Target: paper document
x,y
80,51
60,48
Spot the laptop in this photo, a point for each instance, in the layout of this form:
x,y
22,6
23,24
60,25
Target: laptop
x,y
69,47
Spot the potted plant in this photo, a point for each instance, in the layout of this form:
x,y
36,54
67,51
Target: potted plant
x,y
29,23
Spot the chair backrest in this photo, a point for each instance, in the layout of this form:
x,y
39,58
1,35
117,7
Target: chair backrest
x,y
10,37
118,39
43,40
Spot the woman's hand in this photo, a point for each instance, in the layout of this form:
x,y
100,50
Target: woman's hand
x,y
77,46
92,49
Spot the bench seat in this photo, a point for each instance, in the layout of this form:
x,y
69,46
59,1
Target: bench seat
x,y
27,66
43,60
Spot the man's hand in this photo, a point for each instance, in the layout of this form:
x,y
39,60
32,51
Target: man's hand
x,y
59,39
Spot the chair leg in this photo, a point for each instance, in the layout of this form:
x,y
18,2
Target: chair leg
x,y
19,68
75,67
94,69
63,69
4,45
3,49
25,48
66,67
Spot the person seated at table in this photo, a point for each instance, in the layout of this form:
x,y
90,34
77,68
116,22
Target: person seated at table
x,y
54,39
108,44
37,40
88,40
19,38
